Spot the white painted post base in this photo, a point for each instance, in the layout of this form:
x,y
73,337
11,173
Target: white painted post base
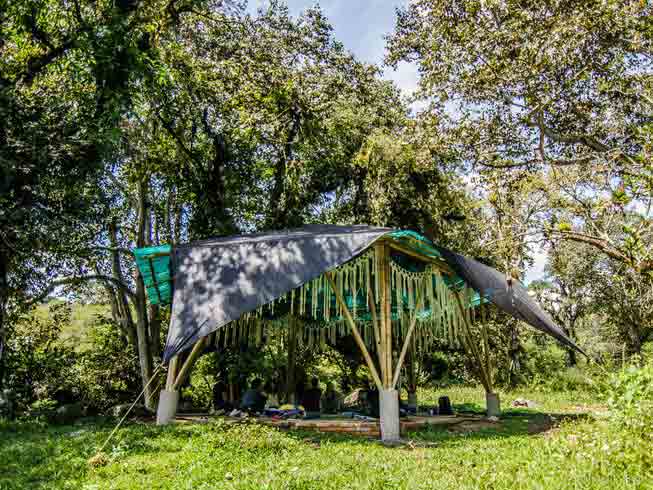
x,y
493,404
167,410
412,400
389,411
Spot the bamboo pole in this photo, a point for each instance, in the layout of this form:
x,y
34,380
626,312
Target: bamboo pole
x,y
172,372
188,364
357,336
409,334
439,264
375,324
486,341
381,253
472,348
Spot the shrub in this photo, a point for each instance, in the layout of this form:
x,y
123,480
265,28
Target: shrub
x,y
45,371
107,373
630,399
38,365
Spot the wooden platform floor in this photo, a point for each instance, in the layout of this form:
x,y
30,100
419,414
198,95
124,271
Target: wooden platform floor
x,y
335,424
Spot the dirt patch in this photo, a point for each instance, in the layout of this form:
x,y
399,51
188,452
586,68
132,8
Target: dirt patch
x,y
474,426
541,423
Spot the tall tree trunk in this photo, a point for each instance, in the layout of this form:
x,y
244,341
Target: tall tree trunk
x,y
4,296
179,216
169,210
122,303
514,353
570,331
634,336
279,209
155,330
143,337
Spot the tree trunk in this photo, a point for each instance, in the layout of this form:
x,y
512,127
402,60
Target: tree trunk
x,y
279,209
155,330
169,210
143,338
514,353
572,360
411,382
634,336
4,296
124,315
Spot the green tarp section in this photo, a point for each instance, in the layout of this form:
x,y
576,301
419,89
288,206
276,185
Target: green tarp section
x,y
154,266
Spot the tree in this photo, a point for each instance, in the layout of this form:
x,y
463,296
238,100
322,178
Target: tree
x,y
68,72
563,86
584,283
567,295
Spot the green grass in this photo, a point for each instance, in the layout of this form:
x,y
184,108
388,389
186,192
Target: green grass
x,y
582,453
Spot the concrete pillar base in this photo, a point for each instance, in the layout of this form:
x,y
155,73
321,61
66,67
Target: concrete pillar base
x,y
167,410
493,404
389,411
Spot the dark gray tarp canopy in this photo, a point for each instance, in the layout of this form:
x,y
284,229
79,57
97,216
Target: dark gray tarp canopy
x,y
217,281
512,298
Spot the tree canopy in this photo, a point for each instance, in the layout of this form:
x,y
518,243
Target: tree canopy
x,y
126,124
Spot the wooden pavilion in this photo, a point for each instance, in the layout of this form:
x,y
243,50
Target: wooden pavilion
x,y
392,290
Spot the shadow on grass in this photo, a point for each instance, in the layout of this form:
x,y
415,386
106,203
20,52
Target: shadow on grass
x,y
513,423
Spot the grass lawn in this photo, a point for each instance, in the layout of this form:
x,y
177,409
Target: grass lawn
x,y
582,452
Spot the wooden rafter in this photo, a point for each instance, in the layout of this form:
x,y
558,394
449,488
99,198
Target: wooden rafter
x,y
443,267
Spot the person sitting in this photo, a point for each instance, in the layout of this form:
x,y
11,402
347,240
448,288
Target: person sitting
x,y
311,400
270,391
220,397
373,402
253,399
331,399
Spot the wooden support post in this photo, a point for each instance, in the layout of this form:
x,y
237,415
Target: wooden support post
x,y
383,271
388,397
291,361
190,361
172,372
357,336
472,348
375,324
409,334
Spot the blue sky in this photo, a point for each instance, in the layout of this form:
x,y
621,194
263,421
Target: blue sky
x,y
361,26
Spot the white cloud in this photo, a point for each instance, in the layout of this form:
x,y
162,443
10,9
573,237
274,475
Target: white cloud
x,y
406,76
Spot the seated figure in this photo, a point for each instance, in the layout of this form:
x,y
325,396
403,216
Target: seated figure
x,y
331,399
270,390
253,399
311,399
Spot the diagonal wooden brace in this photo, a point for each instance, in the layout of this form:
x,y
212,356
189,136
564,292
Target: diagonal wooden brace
x,y
354,330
